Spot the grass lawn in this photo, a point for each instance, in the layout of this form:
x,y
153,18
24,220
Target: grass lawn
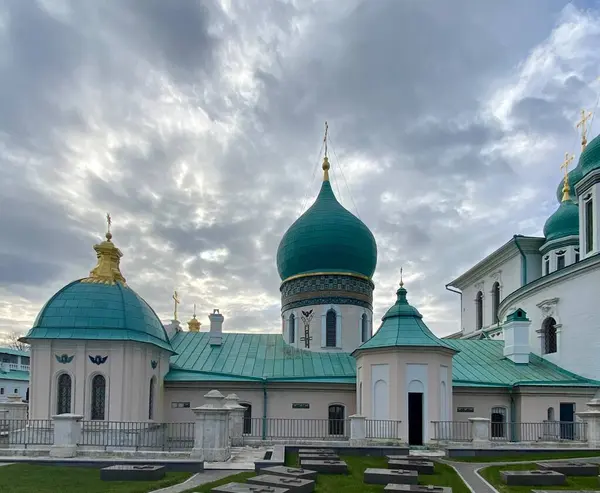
x,y
29,478
567,454
492,475
353,482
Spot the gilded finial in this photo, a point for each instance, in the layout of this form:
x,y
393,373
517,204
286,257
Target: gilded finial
x,y
107,270
176,301
401,280
565,166
194,323
582,124
325,159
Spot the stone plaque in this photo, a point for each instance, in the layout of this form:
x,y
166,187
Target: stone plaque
x,y
132,473
395,476
247,488
418,488
421,466
532,478
294,485
326,466
328,451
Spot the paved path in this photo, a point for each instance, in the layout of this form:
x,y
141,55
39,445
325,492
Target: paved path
x,y
197,480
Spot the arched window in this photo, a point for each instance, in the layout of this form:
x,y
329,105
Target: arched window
x,y
151,393
98,397
479,310
64,394
550,414
495,302
331,328
292,328
498,422
364,327
336,419
247,418
549,336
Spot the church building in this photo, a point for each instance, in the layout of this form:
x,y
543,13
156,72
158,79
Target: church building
x,y
99,350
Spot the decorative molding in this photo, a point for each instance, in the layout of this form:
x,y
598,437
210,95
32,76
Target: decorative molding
x,y
154,364
479,286
64,358
306,317
497,276
326,301
549,308
98,360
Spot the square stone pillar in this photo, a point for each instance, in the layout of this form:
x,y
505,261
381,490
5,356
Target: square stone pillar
x,y
211,430
358,430
236,420
67,433
592,419
480,432
14,408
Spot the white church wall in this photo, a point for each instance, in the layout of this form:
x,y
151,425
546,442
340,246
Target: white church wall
x,y
534,402
380,404
12,387
349,319
477,403
588,193
571,299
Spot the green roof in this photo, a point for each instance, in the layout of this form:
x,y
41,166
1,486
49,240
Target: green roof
x,y
98,311
20,375
14,352
403,326
254,357
563,222
590,157
327,238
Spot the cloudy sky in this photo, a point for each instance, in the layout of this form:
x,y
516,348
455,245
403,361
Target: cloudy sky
x,y
198,124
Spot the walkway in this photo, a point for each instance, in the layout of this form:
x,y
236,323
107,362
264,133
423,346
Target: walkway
x,y
197,480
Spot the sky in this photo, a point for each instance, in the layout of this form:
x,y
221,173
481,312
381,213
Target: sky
x,y
198,126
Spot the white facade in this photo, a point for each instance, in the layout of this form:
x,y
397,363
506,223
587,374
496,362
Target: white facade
x,y
10,387
588,193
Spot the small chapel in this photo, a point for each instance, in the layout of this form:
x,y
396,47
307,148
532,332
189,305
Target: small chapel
x,y
99,350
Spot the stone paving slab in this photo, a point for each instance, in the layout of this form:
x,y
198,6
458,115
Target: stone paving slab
x,y
295,485
375,475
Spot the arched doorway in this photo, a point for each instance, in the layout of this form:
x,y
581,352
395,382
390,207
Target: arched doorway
x,y
415,412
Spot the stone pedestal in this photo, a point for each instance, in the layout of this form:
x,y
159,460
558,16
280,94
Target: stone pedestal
x,y
480,432
236,420
67,433
358,431
14,408
211,430
592,419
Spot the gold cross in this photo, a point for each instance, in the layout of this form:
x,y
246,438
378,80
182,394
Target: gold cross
x,y
401,281
194,310
565,166
177,301
582,124
325,137
566,163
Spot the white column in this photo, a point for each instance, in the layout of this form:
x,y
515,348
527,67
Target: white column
x,y
358,430
592,418
67,432
211,430
236,420
480,432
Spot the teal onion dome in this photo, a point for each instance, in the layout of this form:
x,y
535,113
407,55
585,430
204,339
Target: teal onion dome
x,y
564,222
403,326
100,307
590,157
327,238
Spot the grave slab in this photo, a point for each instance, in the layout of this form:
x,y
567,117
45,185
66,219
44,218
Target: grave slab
x,y
400,457
132,473
247,488
532,478
326,466
570,468
420,488
318,457
294,485
394,476
328,451
290,472
421,466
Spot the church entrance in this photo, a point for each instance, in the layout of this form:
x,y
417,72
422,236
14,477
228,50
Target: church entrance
x,y
567,417
415,418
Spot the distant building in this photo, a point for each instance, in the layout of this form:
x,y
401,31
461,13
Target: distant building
x,y
14,374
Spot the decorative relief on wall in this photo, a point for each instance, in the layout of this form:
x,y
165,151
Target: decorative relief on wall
x,y
64,358
549,308
497,276
98,360
325,301
153,364
306,317
479,286
327,283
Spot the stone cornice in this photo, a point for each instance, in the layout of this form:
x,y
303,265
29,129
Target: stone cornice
x,y
558,243
556,277
587,181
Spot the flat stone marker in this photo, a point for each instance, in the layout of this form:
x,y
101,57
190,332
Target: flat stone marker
x,y
328,451
247,488
533,478
421,466
401,457
326,466
290,472
419,488
294,485
572,468
394,476
132,473
318,457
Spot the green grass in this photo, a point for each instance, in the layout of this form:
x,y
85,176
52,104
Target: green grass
x,y
571,454
235,478
353,482
492,475
28,478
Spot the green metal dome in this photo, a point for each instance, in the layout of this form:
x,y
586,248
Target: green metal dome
x,y
564,222
590,157
100,307
403,326
327,238
573,177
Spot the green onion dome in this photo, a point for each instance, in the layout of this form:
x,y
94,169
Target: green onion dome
x,y
573,177
590,157
327,238
564,222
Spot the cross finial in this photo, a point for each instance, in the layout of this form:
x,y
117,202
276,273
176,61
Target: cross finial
x,y
401,280
108,224
177,301
582,124
326,159
194,310
565,166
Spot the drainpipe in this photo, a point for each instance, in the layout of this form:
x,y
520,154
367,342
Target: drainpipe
x,y
523,263
513,414
452,289
264,426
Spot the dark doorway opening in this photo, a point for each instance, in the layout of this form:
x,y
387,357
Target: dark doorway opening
x,y
415,418
567,417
